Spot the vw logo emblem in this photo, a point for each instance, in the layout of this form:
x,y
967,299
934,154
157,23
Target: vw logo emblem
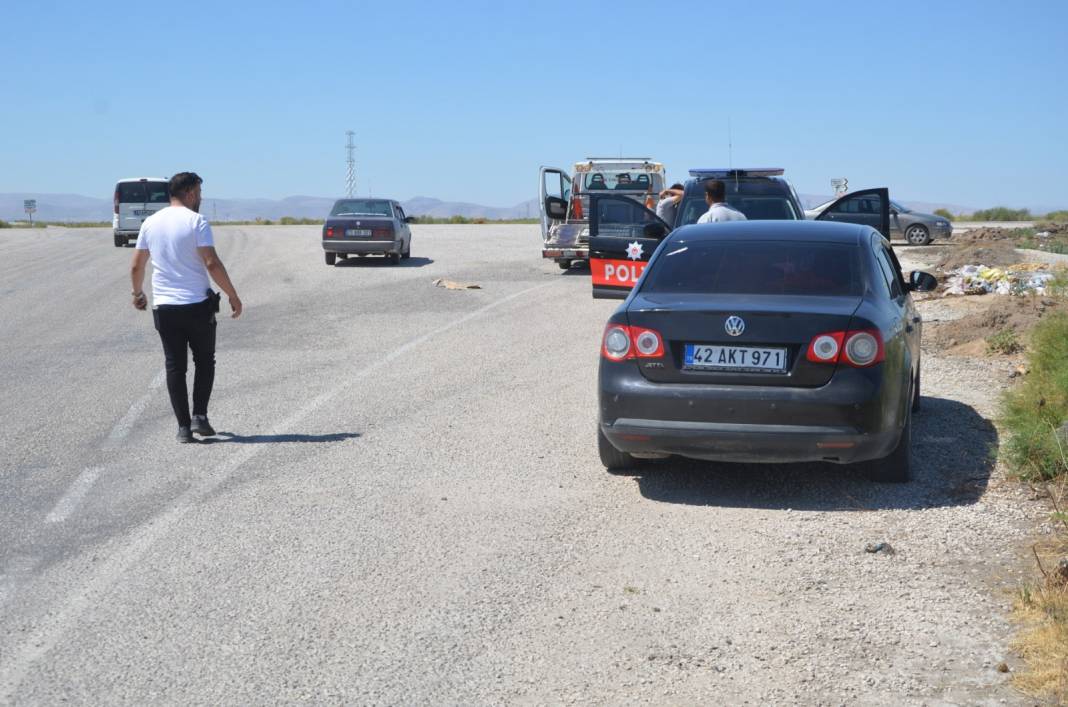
x,y
734,326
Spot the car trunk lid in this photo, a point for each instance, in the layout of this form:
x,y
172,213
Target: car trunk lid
x,y
769,323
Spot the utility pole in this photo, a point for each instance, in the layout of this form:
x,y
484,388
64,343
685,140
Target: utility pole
x,y
350,179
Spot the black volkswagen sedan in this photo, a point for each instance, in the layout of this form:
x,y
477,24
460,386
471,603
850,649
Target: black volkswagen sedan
x,y
765,341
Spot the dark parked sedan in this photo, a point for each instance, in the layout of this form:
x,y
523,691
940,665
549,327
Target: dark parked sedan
x,y
765,341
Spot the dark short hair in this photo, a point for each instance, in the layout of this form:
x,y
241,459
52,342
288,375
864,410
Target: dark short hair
x,y
676,185
716,190
183,182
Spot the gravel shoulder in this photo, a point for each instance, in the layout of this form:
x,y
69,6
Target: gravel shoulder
x,y
411,509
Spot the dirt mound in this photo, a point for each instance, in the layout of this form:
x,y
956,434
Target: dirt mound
x,y
986,235
1055,230
967,335
993,254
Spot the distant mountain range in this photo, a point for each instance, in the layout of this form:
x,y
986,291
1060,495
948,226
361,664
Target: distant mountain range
x,y
72,207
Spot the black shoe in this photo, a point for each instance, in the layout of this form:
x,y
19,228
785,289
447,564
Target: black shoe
x,y
202,427
185,435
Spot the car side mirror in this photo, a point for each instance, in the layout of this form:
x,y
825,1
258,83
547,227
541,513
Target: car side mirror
x,y
555,207
409,219
654,230
920,281
893,212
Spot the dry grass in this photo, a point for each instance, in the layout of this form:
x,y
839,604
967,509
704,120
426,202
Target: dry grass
x,y
1042,611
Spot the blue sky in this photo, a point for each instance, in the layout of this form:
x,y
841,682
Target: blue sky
x,y
961,103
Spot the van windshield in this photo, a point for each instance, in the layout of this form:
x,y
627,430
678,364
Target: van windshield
x,y
755,208
362,207
622,180
143,193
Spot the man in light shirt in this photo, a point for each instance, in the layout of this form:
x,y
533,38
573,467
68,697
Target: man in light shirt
x,y
716,198
180,243
669,203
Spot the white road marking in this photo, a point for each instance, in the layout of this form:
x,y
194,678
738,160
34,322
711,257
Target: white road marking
x,y
74,495
122,427
12,575
50,630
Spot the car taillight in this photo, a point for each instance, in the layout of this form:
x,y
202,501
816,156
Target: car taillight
x,y
329,231
616,344
576,207
386,232
622,342
650,202
858,349
864,348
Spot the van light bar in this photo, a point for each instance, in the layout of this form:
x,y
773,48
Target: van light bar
x,y
724,172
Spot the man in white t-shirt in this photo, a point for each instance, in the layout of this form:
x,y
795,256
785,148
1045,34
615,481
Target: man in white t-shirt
x,y
179,241
716,198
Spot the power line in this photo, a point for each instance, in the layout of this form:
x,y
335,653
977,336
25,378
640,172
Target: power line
x,y
350,179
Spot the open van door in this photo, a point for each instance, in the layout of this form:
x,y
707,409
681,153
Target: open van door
x,y
868,207
623,235
554,195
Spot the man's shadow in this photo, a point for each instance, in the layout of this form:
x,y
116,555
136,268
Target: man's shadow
x,y
222,437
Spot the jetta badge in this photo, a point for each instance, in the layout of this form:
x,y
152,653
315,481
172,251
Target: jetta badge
x,y
734,326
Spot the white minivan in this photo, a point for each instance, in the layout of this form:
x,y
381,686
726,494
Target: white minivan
x,y
135,200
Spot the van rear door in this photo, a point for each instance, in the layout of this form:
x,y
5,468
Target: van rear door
x,y
129,200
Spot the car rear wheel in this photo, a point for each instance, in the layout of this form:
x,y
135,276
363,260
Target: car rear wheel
x,y
564,264
897,466
394,258
120,241
612,458
331,258
407,251
917,235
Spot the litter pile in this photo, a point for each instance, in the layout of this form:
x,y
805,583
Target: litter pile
x,y
1017,279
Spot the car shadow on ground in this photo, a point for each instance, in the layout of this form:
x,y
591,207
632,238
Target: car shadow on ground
x,y
954,451
377,261
222,437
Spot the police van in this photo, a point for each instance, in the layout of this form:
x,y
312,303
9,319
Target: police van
x,y
623,233
135,200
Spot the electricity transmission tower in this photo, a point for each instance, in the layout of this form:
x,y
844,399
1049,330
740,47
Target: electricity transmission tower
x,y
350,178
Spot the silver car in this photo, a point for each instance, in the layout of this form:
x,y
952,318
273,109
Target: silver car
x,y
912,226
367,227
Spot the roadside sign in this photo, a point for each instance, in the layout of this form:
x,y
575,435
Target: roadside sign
x,y
30,206
840,185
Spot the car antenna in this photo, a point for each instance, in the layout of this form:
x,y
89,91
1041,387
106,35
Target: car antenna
x,y
730,153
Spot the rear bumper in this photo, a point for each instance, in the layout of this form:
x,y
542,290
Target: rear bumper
x,y
853,418
565,253
365,247
769,444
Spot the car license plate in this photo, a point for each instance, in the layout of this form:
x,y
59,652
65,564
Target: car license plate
x,y
142,212
358,232
733,358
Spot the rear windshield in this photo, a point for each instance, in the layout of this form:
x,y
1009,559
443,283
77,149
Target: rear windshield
x,y
756,268
143,193
362,207
764,199
622,180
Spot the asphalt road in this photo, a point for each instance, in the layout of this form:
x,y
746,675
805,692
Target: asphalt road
x,y
407,506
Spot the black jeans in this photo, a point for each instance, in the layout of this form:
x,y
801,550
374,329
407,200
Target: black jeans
x,y
185,327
